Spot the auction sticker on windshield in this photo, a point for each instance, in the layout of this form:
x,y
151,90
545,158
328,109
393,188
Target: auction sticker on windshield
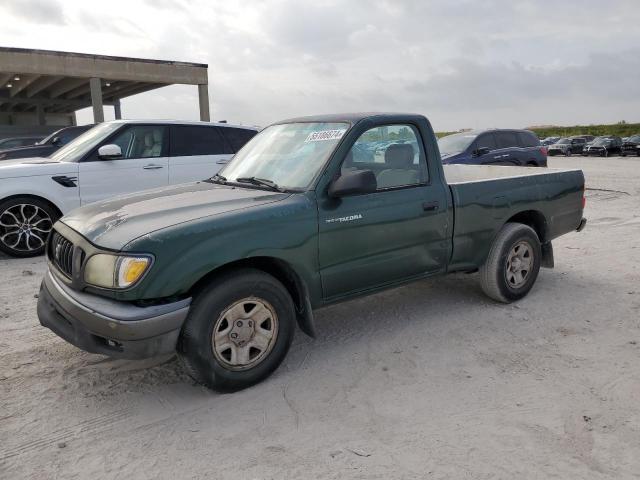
x,y
325,135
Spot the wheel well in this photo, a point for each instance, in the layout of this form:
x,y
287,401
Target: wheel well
x,y
279,269
535,220
35,197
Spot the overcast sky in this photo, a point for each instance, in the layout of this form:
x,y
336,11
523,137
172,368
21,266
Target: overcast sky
x,y
461,63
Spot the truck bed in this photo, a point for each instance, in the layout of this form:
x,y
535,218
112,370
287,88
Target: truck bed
x,y
457,174
485,197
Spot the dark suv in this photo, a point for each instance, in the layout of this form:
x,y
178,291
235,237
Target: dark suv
x,y
493,147
631,146
47,146
603,147
567,146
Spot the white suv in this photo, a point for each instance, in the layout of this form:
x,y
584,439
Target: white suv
x,y
112,158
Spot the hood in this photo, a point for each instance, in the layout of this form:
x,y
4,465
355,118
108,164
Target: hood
x,y
559,145
24,152
451,157
114,223
28,167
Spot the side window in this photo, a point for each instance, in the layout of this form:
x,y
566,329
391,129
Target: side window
x,y
187,140
486,140
237,137
527,139
506,139
393,153
141,141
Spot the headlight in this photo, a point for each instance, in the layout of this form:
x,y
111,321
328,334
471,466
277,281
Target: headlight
x,y
115,271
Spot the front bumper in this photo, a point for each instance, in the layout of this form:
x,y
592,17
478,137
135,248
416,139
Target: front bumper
x,y
109,327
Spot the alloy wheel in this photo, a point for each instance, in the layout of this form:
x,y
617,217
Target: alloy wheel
x,y
24,227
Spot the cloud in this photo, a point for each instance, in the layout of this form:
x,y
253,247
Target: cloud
x,y
463,63
36,11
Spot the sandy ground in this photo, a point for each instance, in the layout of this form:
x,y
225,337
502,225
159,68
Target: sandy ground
x,y
432,380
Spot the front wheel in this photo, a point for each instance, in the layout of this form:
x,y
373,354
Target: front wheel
x,y
513,263
238,331
567,153
25,224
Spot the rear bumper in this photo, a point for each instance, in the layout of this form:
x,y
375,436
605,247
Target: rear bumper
x,y
118,329
583,223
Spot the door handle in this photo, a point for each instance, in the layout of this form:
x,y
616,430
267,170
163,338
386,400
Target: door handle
x,y
152,166
430,206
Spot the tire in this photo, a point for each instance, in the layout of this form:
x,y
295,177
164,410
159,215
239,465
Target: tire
x,y
567,153
496,279
25,224
220,364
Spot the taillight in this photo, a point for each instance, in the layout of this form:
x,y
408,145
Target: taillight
x,y
584,202
543,150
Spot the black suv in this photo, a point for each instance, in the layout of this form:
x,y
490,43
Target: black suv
x,y
493,147
567,146
603,147
631,146
46,146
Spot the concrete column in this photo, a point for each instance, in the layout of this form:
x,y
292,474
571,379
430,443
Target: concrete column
x,y
117,111
96,100
203,98
40,114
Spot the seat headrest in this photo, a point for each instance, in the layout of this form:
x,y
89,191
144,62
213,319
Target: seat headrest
x,y
399,155
157,136
148,139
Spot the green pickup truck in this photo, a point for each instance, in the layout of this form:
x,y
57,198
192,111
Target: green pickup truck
x,y
312,211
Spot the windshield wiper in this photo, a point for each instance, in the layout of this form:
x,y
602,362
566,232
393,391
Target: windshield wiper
x,y
217,178
262,182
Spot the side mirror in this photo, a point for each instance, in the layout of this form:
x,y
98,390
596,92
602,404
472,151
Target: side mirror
x,y
478,152
353,183
109,152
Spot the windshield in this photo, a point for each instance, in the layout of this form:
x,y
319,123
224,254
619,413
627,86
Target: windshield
x,y
290,155
564,141
601,141
46,140
89,139
455,143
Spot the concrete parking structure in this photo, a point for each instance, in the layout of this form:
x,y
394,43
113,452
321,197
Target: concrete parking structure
x,y
43,82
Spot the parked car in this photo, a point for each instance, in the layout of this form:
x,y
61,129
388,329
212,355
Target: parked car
x,y
290,225
549,141
631,146
567,146
603,147
493,147
48,145
113,158
15,142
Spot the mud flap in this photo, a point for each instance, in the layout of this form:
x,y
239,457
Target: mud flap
x,y
547,255
305,318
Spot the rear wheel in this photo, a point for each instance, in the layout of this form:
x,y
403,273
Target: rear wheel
x,y
25,224
238,331
513,263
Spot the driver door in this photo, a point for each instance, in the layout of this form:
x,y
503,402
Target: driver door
x,y
143,165
398,232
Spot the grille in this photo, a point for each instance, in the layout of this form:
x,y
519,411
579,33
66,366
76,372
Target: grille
x,y
61,253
